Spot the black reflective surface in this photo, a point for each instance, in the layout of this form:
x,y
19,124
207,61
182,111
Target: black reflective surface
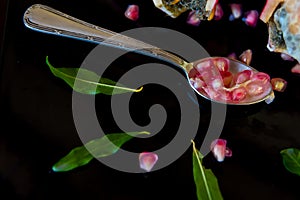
x,y
37,125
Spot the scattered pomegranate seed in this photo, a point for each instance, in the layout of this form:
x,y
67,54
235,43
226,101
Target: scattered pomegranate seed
x,y
232,56
219,149
246,56
236,10
251,18
193,19
242,76
285,56
132,12
147,160
296,69
218,12
278,84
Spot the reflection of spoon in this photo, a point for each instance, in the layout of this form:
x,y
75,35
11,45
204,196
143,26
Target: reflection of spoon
x,y
48,20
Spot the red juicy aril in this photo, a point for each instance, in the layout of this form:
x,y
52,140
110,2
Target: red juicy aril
x,y
212,76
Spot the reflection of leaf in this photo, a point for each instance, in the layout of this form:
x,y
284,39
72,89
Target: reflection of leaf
x,y
88,82
291,160
206,183
101,147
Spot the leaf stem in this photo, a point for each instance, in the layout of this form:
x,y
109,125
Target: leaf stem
x,y
202,170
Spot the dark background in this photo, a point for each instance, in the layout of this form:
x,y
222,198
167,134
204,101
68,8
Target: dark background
x,y
37,126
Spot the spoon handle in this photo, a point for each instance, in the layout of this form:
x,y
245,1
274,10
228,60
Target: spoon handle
x,y
48,20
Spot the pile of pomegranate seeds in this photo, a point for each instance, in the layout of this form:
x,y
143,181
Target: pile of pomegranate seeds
x,y
213,78
132,12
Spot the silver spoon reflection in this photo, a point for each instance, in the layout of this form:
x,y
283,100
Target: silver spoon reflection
x,y
48,20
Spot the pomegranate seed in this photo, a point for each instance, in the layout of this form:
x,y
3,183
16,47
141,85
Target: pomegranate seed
x,y
278,84
238,94
222,64
296,69
217,84
246,56
193,19
255,88
132,12
218,12
147,160
236,10
227,78
219,149
242,76
285,56
232,56
251,18
261,76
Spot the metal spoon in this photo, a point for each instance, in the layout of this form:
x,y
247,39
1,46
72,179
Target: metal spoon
x,y
48,20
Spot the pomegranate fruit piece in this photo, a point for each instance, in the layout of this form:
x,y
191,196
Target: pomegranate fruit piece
x,y
132,12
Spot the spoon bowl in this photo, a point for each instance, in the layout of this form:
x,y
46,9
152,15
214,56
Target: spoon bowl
x,y
48,20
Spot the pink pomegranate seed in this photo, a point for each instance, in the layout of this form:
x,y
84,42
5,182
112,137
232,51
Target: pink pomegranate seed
x,y
242,76
132,12
285,56
227,78
218,12
193,19
219,149
222,64
255,88
251,18
246,56
278,84
147,160
261,76
236,10
296,69
238,94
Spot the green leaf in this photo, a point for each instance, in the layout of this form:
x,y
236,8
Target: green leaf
x,y
101,147
206,182
291,160
88,82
